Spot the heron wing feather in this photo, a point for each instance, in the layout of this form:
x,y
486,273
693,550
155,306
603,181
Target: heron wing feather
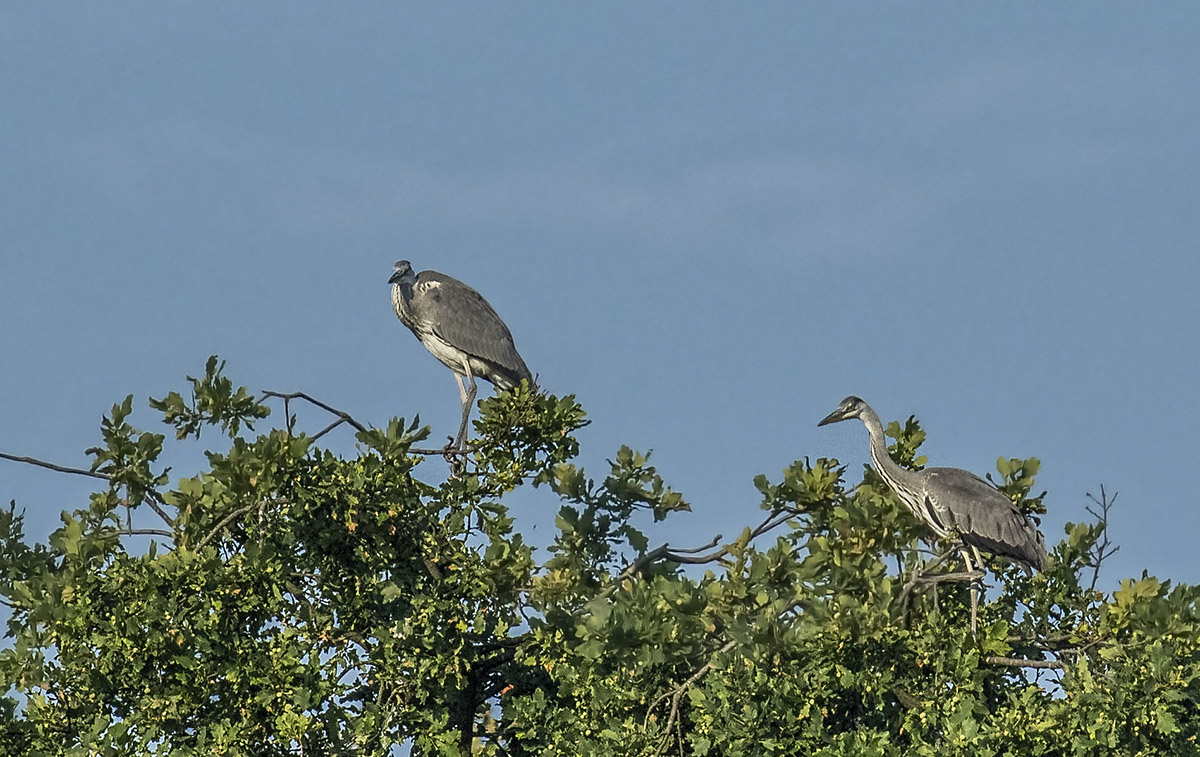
x,y
462,318
984,516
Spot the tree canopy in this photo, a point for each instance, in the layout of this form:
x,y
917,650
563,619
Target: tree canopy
x,y
292,600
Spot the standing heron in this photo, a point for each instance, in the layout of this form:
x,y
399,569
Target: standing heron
x,y
955,504
461,329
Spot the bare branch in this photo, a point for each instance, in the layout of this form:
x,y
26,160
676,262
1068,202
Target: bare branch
x,y
156,503
701,560
342,415
53,466
289,419
1103,548
664,550
428,452
772,521
325,430
959,577
693,550
506,643
1018,662
491,663
686,556
632,568
153,498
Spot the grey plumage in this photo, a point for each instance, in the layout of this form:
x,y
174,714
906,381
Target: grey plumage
x,y
984,517
953,503
458,326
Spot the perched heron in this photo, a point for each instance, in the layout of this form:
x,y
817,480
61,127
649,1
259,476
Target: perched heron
x,y
461,329
955,504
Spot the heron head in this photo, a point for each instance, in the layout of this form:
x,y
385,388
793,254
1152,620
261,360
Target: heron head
x,y
402,273
851,407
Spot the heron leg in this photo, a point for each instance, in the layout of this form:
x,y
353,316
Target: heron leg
x,y
467,394
966,556
462,390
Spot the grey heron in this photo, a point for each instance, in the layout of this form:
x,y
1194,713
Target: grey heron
x,y
460,329
954,504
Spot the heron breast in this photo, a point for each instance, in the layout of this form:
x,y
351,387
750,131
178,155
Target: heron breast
x,y
450,356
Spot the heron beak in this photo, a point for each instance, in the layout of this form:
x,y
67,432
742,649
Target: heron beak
x,y
833,417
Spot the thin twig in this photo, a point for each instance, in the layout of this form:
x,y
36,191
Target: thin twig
x,y
289,421
701,560
772,521
342,417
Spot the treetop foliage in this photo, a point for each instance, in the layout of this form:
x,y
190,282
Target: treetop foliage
x,y
292,600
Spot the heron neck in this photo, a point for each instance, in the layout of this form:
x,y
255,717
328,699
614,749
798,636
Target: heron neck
x,y
897,477
401,294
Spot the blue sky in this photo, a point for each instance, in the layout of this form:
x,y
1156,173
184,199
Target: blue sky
x,y
710,222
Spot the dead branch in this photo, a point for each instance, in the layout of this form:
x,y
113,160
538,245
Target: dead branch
x,y
1103,548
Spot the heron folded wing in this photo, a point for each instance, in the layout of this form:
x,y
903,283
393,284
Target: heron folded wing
x,y
984,516
461,317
